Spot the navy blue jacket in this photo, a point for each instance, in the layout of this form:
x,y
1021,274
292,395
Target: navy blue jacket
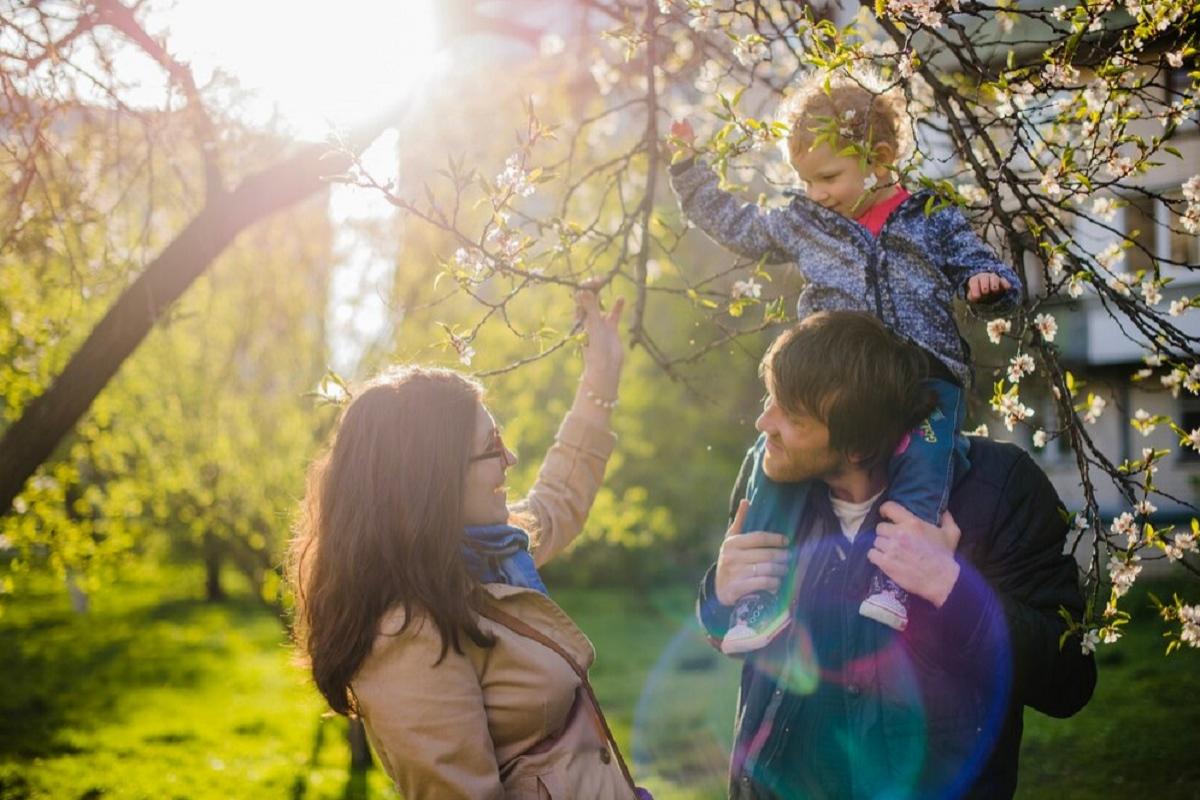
x,y
844,707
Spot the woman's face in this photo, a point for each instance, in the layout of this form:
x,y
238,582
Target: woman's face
x,y
485,501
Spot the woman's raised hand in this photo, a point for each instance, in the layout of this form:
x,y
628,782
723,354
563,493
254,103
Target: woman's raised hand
x,y
603,353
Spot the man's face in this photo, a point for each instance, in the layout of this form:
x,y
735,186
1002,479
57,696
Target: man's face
x,y
797,446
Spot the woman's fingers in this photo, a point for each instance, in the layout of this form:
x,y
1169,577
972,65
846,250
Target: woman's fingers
x,y
614,316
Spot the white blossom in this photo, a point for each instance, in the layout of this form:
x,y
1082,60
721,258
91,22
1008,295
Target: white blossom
x,y
1142,418
1095,408
1039,438
1191,381
925,11
1055,264
1020,366
1060,74
1172,380
504,242
981,430
1119,166
1111,256
1125,526
750,50
1110,634
1191,189
1089,641
1096,94
1123,573
704,18
1046,326
1179,544
1122,284
1175,58
1079,522
747,288
1151,293
974,195
1104,208
474,260
1178,306
1049,184
1145,508
1075,287
709,77
1012,410
514,177
605,75
1189,616
997,328
906,66
1192,440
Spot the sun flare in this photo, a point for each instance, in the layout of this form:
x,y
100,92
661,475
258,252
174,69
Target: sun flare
x,y
315,64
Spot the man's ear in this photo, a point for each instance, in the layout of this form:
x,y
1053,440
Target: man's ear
x,y
856,459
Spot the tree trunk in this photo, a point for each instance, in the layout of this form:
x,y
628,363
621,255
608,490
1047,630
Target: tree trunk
x,y
32,438
213,592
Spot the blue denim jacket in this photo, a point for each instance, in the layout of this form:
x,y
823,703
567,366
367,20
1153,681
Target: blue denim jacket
x,y
908,276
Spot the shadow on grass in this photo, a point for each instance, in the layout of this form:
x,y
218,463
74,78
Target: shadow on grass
x,y
64,671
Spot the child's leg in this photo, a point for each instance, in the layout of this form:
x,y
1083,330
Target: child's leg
x,y
921,475
776,507
923,470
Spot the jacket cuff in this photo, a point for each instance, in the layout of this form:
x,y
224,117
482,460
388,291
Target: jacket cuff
x,y
713,616
586,435
681,167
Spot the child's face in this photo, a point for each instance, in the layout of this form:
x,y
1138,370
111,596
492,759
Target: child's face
x,y
840,183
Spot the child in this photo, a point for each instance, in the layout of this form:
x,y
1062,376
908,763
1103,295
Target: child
x,y
862,242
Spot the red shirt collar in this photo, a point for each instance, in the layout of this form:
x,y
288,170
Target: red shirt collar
x,y
874,217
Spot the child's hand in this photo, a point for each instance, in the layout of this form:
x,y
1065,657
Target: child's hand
x,y
983,287
683,138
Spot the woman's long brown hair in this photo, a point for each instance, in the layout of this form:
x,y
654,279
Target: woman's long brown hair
x,y
381,524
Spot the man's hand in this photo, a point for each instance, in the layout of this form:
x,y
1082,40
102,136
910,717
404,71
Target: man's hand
x,y
749,562
918,556
683,139
985,286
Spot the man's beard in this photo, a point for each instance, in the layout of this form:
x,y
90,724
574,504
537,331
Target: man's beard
x,y
784,467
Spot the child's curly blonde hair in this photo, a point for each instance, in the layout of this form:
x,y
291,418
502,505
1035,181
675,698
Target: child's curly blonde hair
x,y
857,104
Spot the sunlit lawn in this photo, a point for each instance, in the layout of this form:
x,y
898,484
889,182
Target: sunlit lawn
x,y
176,698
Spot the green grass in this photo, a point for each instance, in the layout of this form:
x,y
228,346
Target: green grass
x,y
155,693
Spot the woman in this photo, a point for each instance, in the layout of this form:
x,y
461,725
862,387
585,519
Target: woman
x,y
418,604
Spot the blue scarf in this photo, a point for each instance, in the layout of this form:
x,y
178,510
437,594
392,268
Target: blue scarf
x,y
500,554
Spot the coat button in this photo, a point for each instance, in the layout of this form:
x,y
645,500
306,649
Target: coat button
x,y
605,756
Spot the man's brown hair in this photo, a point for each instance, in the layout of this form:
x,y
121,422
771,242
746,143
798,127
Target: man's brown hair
x,y
854,375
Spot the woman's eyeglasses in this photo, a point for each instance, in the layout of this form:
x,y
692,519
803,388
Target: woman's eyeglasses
x,y
496,449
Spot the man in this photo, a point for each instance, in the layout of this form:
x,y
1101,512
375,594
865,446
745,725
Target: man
x,y
839,705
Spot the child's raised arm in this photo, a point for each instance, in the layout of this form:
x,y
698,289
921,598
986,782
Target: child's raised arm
x,y
739,226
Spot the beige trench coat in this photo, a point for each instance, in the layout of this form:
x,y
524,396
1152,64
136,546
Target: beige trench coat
x,y
509,721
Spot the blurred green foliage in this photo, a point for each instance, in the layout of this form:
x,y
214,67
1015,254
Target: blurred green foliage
x,y
156,693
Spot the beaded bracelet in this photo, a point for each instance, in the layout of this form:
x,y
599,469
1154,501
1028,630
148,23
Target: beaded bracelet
x,y
600,401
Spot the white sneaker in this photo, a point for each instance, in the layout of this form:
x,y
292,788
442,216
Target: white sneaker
x,y
756,623
885,608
